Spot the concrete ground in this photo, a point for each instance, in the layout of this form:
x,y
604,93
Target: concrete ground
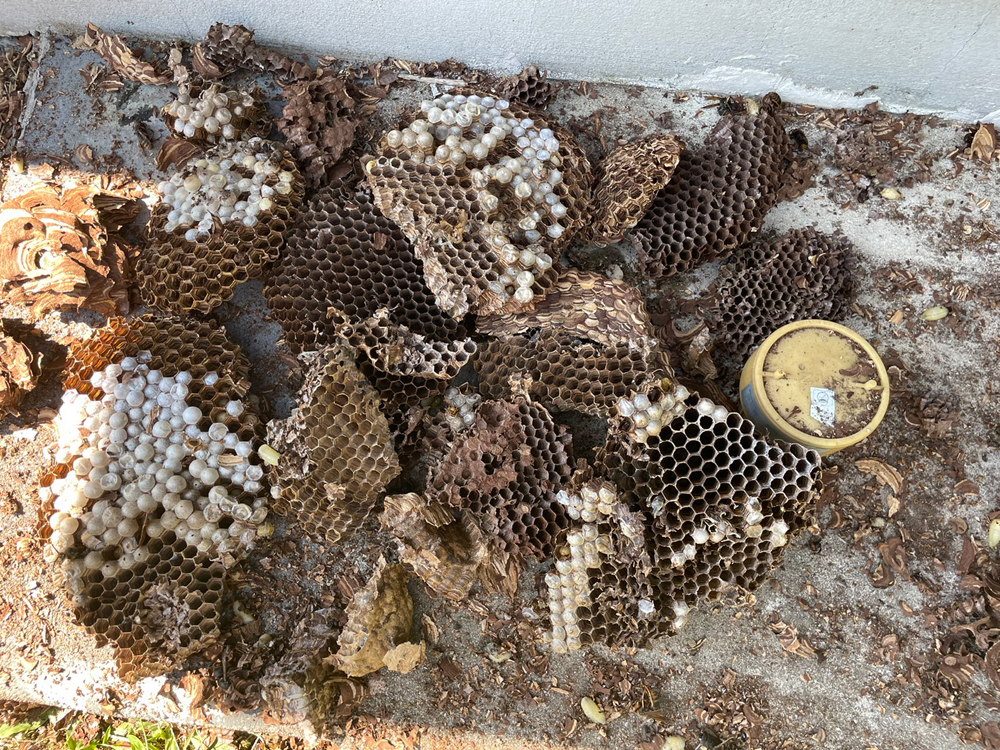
x,y
726,680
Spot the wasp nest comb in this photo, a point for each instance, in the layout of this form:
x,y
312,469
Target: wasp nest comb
x,y
707,505
444,548
337,453
215,114
505,471
488,192
379,620
625,183
61,250
718,196
222,220
346,255
319,123
530,87
800,275
587,344
157,487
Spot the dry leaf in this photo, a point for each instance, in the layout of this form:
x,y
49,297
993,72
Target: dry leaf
x,y
790,640
984,142
883,472
406,657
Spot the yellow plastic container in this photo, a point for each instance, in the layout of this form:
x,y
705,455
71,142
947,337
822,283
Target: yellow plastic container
x,y
816,383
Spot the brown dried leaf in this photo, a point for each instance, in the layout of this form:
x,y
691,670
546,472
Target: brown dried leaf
x,y
113,49
993,664
790,640
984,142
451,668
884,473
406,657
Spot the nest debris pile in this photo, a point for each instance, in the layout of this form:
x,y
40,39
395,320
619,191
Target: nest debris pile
x,y
418,275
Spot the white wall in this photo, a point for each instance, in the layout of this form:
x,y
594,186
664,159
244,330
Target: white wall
x,y
926,55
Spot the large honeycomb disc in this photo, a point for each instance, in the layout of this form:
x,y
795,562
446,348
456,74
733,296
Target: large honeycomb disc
x,y
166,606
625,183
505,472
482,237
337,453
718,504
564,373
194,268
718,196
345,254
797,276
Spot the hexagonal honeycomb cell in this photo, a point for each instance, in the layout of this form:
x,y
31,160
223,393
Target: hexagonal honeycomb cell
x,y
222,221
488,192
397,351
625,183
718,196
145,557
344,253
530,87
800,275
505,471
566,374
337,453
716,502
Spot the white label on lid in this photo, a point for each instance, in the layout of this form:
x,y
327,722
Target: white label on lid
x,y
824,406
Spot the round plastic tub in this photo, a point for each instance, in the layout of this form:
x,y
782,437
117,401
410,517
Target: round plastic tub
x,y
816,383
